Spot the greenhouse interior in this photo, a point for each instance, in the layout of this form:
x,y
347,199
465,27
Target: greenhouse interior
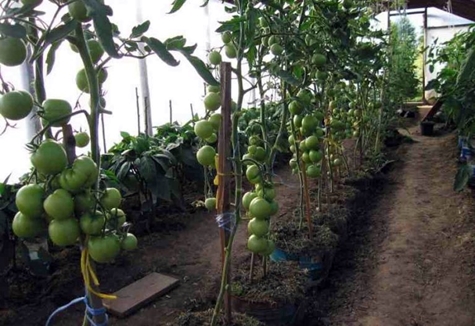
x,y
237,162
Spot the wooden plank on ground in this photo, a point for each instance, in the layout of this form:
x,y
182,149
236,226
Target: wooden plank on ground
x,y
437,106
138,294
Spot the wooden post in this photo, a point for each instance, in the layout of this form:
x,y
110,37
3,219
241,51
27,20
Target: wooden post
x,y
225,168
138,109
170,105
424,59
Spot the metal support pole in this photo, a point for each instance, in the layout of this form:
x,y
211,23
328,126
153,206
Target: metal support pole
x,y
33,124
424,57
144,87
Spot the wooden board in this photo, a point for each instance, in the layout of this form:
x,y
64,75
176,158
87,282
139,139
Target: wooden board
x,y
138,294
435,108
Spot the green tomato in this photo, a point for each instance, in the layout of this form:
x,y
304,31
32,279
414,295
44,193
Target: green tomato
x,y
64,232
104,249
111,198
59,205
129,243
49,158
29,200
92,224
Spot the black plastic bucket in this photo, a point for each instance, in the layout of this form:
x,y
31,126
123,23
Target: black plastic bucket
x,y
427,128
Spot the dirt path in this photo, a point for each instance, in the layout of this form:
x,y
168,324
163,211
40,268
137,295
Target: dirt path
x,y
412,260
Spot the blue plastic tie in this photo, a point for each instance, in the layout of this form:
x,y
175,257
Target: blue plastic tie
x,y
90,312
226,221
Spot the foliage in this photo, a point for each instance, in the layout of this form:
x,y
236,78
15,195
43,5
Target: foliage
x,y
155,167
402,81
455,82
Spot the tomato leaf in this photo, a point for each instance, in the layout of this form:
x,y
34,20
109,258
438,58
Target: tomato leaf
x,y
161,188
200,68
175,43
139,30
102,25
123,170
161,50
15,31
176,5
231,25
125,134
287,77
59,32
51,56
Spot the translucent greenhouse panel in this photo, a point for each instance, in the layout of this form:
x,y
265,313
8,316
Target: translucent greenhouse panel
x,y
440,36
182,85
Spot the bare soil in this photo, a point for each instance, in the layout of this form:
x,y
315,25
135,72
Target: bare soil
x,y
409,260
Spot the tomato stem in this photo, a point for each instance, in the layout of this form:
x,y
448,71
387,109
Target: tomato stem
x,y
93,121
94,89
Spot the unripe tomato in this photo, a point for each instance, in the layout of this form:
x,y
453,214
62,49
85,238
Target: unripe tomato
x,y
111,198
214,58
116,218
129,242
82,139
80,176
203,129
270,248
210,203
206,155
230,51
54,109
16,105
212,101
32,3
49,158
247,199
258,227
64,232
26,227
256,244
103,249
92,224
12,51
215,120
260,208
29,200
78,11
59,205
226,37
95,50
253,174
84,202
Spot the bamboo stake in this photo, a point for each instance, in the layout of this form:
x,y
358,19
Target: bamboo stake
x,y
225,168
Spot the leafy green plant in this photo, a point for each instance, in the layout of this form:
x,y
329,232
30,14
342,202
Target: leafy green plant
x,y
146,168
402,80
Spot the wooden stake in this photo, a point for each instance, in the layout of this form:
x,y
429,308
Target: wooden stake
x,y
171,110
224,176
192,114
137,99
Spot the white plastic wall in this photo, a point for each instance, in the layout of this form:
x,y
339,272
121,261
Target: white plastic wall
x,y
181,84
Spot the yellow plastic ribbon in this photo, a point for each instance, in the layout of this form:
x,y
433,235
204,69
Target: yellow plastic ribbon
x,y
88,274
216,164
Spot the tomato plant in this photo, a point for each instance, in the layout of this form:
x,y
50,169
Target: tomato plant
x,y
75,207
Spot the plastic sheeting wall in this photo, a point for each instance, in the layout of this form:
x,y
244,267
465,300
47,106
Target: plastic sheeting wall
x,y
181,84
